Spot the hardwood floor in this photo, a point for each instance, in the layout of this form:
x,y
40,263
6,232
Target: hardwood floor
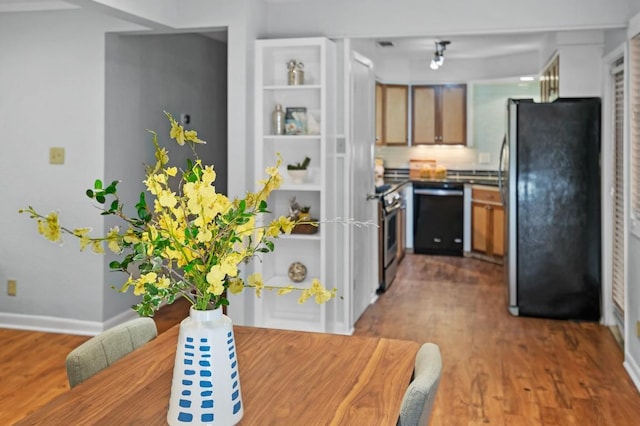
x,y
498,369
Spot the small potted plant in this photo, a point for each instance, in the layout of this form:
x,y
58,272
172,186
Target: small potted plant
x,y
298,171
304,215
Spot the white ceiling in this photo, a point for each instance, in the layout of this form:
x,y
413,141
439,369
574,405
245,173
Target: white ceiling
x,y
461,47
33,5
464,47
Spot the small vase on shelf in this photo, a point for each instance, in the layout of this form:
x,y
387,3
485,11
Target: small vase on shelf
x,y
206,386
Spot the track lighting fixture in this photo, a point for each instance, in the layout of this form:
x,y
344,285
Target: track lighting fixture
x,y
438,57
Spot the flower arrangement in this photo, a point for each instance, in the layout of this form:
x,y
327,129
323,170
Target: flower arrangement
x,y
193,241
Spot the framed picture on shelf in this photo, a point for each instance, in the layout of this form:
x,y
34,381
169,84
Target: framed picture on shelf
x,y
295,121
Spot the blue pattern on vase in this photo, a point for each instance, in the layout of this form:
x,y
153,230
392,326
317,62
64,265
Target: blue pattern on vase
x,y
235,396
205,386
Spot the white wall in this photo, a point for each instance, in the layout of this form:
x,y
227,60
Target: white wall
x,y
51,94
489,106
56,86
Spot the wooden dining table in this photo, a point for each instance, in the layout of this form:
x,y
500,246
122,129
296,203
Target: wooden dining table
x,y
286,378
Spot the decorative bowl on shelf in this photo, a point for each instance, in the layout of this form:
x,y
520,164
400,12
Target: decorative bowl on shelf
x,y
297,175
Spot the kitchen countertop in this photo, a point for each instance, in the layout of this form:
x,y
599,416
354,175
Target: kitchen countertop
x,y
400,177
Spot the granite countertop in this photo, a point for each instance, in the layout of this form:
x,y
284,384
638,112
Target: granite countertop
x,y
401,177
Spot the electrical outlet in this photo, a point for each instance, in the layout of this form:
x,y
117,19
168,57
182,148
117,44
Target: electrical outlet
x,y
12,287
56,155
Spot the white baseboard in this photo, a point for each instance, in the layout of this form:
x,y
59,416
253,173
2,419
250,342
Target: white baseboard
x,y
633,369
61,325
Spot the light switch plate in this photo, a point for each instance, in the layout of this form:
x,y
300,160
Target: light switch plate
x,y
12,287
56,155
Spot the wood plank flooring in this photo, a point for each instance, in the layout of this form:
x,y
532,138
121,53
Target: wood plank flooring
x,y
498,369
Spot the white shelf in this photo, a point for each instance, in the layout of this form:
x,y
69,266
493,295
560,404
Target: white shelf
x,y
315,251
293,137
299,187
297,87
302,237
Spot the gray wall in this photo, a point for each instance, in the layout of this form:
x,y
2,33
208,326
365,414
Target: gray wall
x,y
146,74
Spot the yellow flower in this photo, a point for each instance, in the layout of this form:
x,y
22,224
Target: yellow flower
x,y
286,224
162,157
215,278
304,296
164,282
216,289
138,288
113,238
171,171
177,131
167,199
96,246
83,234
274,229
204,235
236,285
50,228
130,237
285,290
255,281
192,135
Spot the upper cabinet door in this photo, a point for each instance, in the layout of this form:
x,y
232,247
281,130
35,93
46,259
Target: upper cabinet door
x,y
379,113
395,114
454,114
424,114
439,114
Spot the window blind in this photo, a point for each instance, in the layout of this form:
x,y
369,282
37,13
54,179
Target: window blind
x,y
635,127
618,189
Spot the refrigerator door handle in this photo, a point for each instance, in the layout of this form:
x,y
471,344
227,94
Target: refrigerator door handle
x,y
500,174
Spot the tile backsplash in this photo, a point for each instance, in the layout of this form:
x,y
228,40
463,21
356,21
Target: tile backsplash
x,y
452,157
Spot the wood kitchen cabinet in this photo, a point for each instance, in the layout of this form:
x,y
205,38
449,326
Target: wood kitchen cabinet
x,y
550,81
439,114
379,113
392,114
487,222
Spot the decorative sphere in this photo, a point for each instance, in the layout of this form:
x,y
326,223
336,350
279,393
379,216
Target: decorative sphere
x,y
297,272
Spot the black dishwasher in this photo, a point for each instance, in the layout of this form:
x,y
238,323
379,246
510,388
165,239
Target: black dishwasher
x,y
438,218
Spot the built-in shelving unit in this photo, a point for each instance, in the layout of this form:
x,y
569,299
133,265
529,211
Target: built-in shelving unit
x,y
318,189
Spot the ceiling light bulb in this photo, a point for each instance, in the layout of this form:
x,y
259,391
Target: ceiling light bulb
x,y
440,60
434,65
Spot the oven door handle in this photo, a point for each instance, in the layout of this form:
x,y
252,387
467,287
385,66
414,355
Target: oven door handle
x,y
438,192
392,209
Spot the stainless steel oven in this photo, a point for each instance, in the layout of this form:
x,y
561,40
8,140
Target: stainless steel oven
x,y
390,206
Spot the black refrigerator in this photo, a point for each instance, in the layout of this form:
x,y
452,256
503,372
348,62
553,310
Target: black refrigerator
x,y
550,184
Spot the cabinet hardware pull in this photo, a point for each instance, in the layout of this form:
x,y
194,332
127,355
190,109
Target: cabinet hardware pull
x,y
437,240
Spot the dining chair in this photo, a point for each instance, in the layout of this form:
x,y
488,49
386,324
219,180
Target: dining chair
x,y
417,402
104,349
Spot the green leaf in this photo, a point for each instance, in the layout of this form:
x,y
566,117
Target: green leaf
x,y
100,198
263,206
114,205
97,184
89,193
114,265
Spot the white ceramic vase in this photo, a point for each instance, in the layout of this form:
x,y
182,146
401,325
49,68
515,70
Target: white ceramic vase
x,y
206,386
